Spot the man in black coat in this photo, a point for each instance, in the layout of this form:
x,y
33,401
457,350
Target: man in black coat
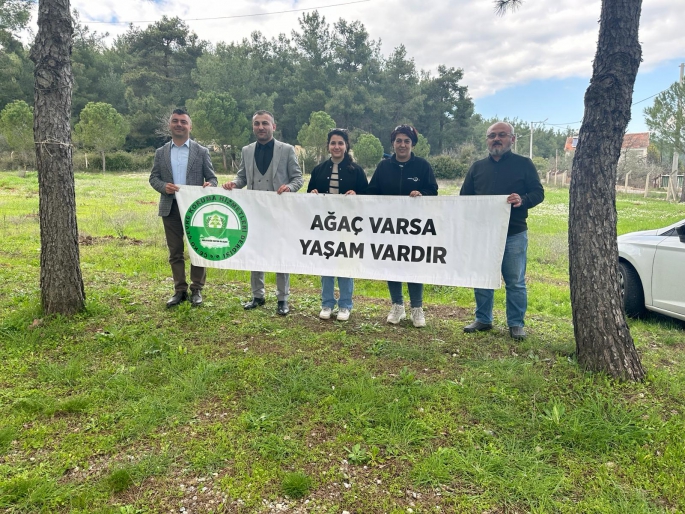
x,y
506,173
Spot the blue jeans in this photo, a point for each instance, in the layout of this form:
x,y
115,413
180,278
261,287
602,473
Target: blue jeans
x,y
346,286
514,274
415,293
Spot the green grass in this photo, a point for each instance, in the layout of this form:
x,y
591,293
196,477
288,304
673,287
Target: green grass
x,y
130,408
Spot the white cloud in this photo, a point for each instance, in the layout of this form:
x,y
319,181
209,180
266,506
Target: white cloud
x,y
543,39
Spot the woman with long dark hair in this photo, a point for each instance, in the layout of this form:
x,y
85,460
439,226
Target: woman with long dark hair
x,y
338,175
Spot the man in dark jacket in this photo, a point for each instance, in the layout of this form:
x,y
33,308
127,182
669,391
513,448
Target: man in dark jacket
x,y
506,173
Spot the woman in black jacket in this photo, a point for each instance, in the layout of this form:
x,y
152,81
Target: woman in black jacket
x,y
404,174
337,175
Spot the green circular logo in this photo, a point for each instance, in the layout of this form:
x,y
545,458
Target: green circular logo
x,y
216,227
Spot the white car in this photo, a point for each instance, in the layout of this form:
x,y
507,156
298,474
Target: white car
x,y
651,270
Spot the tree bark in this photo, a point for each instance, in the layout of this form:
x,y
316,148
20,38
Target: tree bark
x,y
61,283
603,340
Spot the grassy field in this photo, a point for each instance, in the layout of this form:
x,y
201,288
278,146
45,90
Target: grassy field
x,y
132,408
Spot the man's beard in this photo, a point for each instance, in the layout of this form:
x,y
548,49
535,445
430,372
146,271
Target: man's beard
x,y
500,150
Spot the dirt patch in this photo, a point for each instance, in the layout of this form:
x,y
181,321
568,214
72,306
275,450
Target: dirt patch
x,y
92,241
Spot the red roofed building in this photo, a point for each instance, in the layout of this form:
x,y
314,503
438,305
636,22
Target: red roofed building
x,y
635,144
570,145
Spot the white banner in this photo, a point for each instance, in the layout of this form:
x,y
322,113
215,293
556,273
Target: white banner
x,y
446,240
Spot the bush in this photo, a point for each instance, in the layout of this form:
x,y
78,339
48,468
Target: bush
x,y
447,167
119,161
218,162
308,160
422,148
542,165
17,162
367,151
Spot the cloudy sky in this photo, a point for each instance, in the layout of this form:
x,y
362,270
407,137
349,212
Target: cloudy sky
x,y
534,63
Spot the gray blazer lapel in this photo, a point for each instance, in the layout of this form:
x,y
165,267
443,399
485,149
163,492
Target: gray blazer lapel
x,y
278,148
167,159
250,164
192,155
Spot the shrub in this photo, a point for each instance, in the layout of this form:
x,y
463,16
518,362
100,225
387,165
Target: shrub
x,y
119,161
217,162
367,151
308,160
542,165
422,148
447,167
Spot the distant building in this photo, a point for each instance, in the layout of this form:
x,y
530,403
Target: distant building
x,y
571,143
633,144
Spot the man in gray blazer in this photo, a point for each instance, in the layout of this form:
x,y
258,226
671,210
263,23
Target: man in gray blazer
x,y
268,165
180,162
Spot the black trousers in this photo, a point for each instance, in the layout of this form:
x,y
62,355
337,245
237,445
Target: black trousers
x,y
173,229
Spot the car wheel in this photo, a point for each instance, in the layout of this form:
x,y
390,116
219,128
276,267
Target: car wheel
x,y
631,290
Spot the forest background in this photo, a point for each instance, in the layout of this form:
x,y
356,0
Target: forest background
x,y
333,68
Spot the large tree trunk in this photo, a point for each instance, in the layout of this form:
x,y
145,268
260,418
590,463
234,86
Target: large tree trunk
x,y
61,283
603,341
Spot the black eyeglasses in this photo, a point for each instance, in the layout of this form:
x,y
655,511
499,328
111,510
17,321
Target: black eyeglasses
x,y
501,135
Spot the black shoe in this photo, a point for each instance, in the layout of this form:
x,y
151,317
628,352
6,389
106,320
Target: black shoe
x,y
195,298
477,326
254,303
179,296
282,309
517,333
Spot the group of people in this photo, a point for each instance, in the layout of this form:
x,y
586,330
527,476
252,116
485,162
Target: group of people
x,y
271,165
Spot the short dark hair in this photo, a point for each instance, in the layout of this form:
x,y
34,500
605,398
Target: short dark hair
x,y
180,111
407,130
262,112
